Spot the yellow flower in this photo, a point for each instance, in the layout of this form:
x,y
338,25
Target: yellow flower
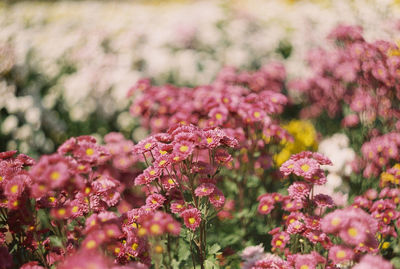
x,y
305,138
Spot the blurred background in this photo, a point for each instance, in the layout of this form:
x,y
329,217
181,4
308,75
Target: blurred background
x,y
66,66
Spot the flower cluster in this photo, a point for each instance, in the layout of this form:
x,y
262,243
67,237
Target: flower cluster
x,y
358,75
182,163
341,237
234,100
14,179
380,152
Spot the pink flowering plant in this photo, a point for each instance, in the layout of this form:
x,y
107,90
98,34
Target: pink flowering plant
x,y
204,189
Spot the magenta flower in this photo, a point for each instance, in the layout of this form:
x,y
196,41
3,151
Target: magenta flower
x,y
204,189
340,254
299,190
191,218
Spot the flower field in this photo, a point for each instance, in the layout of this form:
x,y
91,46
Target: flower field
x,y
200,134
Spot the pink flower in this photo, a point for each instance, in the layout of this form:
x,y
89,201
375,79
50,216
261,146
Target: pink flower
x,y
251,254
271,261
371,261
350,120
31,265
155,201
306,168
279,240
183,149
305,261
191,218
295,227
145,145
217,198
299,190
323,200
287,167
177,207
266,205
340,254
204,189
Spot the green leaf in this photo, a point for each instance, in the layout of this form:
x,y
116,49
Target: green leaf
x,y
175,264
184,251
214,249
209,264
55,241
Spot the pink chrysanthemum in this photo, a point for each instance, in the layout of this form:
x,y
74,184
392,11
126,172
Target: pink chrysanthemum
x,y
279,240
299,190
266,205
191,218
306,167
323,200
155,200
204,189
340,254
296,227
271,261
287,167
183,149
371,261
217,198
306,261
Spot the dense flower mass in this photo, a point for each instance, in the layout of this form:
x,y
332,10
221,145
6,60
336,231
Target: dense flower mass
x,y
226,174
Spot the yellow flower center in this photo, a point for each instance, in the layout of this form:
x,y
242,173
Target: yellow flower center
x,y
209,140
335,221
257,114
142,231
55,175
81,167
90,244
305,167
278,243
14,189
147,146
352,232
87,190
89,151
192,220
264,208
135,246
155,229
304,267
218,116
74,209
340,254
170,181
184,148
61,212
